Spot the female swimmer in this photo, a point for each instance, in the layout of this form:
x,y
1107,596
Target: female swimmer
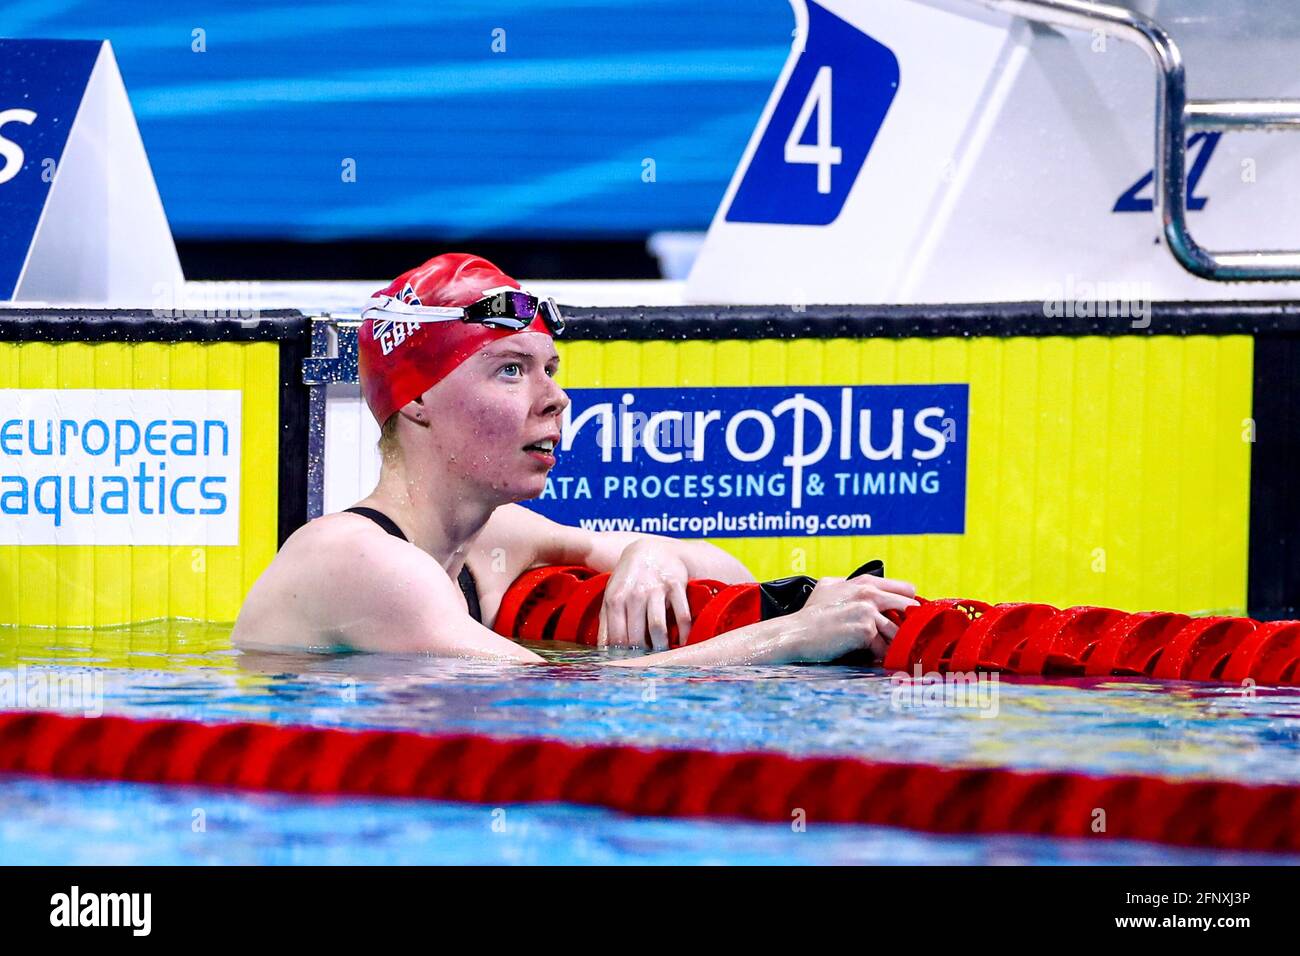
x,y
458,366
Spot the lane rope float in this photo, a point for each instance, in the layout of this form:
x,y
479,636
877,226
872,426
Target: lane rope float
x,y
942,636
652,782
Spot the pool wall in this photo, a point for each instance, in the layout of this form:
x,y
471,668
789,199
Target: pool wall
x,y
1136,462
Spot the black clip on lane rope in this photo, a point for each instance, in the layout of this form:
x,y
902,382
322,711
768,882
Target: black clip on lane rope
x,y
787,595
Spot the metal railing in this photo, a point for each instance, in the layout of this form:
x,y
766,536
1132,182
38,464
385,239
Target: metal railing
x,y
1175,115
333,361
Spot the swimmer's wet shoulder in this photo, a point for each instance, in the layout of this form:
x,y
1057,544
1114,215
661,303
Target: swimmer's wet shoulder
x,y
466,577
343,579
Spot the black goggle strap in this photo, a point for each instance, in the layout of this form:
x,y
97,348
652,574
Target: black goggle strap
x,y
551,316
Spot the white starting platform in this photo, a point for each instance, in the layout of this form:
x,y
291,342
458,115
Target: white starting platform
x,y
1017,150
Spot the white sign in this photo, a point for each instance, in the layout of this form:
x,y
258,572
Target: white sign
x,y
917,151
81,221
119,466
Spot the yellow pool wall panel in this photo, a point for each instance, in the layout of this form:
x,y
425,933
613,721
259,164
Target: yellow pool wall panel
x,y
1108,470
105,585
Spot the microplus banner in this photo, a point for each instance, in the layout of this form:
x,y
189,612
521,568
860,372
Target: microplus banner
x,y
119,466
763,461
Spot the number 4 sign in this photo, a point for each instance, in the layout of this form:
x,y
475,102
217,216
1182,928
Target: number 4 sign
x,y
823,155
801,172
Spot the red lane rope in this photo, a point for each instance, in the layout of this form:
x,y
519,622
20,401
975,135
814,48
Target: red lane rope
x,y
689,783
563,602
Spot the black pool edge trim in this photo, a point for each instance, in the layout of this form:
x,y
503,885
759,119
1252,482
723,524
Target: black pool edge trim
x,y
141,325
1001,320
706,322
295,428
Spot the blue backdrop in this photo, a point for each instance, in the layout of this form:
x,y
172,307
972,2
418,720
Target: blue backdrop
x,y
548,138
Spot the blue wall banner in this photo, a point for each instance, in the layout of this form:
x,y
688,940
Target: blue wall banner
x,y
40,92
764,461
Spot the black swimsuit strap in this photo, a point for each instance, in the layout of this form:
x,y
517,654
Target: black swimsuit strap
x,y
468,586
381,519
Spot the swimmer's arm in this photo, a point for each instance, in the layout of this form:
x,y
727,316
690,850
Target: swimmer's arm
x,y
428,622
702,559
554,543
780,640
434,622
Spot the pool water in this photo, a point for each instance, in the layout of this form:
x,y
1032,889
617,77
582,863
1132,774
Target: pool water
x,y
189,670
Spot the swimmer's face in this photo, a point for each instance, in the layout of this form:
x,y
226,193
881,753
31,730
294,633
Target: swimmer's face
x,y
494,404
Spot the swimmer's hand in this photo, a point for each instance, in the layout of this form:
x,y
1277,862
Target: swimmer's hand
x,y
648,580
839,617
843,615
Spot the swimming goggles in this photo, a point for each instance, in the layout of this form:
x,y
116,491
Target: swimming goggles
x,y
505,308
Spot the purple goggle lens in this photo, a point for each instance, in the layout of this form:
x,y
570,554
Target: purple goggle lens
x,y
515,310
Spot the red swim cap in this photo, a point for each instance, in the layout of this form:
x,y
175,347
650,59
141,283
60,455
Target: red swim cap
x,y
402,352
